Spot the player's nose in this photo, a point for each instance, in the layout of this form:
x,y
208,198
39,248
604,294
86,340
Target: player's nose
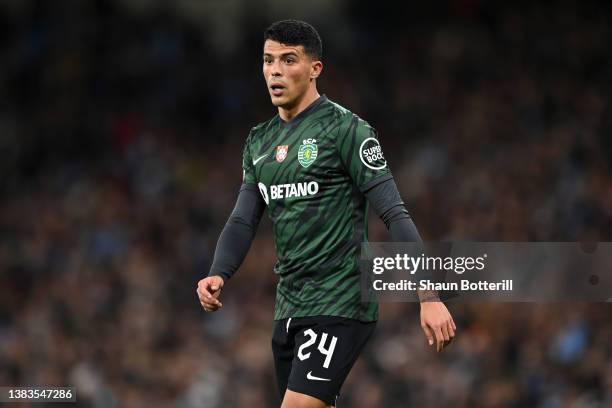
x,y
275,69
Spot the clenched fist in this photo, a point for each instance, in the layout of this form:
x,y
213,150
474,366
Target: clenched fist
x,y
208,291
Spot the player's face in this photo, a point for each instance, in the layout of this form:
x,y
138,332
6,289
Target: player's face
x,y
288,72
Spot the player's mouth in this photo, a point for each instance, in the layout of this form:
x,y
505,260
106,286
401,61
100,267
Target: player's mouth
x,y
277,89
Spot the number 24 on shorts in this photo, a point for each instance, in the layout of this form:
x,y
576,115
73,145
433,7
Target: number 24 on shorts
x,y
321,347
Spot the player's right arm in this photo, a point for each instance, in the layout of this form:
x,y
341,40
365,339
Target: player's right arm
x,y
235,239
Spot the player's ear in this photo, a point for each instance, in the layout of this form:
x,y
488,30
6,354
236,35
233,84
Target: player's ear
x,y
316,67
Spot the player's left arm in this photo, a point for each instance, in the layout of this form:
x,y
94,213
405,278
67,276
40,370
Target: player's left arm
x,y
360,151
386,201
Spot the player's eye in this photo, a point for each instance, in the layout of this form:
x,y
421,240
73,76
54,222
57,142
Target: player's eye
x,y
289,60
267,60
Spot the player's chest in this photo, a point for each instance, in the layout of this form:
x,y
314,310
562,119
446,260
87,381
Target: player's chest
x,y
295,160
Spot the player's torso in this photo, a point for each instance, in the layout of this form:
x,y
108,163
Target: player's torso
x,y
309,195
297,167
317,213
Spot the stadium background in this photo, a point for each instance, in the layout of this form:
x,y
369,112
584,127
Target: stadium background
x,y
121,131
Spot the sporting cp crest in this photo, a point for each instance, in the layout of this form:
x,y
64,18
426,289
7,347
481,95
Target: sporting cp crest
x,y
308,152
281,153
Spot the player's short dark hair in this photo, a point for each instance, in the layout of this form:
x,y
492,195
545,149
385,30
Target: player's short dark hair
x,y
296,32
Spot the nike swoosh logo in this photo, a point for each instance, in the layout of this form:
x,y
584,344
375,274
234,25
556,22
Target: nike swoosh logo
x,y
312,377
258,159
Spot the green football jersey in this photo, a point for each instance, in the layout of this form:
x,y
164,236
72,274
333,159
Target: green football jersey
x,y
311,172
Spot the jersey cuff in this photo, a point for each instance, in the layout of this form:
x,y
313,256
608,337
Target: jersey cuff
x,y
374,182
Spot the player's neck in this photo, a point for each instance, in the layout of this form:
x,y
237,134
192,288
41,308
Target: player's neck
x,y
309,97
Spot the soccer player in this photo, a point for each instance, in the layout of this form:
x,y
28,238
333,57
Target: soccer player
x,y
315,166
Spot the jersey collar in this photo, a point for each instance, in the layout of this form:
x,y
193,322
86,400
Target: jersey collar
x,y
300,116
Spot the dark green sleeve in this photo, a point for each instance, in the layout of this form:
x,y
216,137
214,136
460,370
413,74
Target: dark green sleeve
x,y
248,170
360,152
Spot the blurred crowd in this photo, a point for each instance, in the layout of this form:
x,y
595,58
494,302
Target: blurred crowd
x,y
121,132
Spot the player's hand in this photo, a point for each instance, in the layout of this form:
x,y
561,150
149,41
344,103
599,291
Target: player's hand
x,y
437,321
208,291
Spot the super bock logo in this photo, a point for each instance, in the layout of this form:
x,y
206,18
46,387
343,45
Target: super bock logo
x,y
308,152
281,153
371,154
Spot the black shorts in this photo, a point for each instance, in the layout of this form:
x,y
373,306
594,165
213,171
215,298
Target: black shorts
x,y
313,355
